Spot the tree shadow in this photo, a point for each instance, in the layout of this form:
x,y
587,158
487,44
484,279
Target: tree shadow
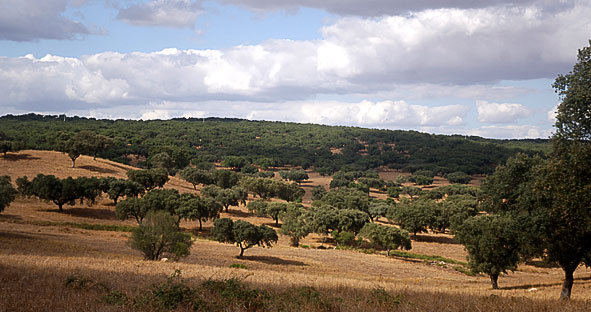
x,y
90,213
528,286
542,264
97,169
434,239
16,157
239,213
10,217
273,260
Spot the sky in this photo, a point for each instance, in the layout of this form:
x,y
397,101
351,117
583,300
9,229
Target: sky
x,y
468,67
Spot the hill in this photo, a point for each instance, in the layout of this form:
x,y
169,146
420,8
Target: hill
x,y
327,149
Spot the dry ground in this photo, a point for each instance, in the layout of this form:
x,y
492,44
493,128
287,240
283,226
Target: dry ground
x,y
35,259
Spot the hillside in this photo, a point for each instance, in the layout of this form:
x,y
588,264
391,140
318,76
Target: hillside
x,y
326,149
41,249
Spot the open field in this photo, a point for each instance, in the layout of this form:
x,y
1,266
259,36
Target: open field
x,y
39,250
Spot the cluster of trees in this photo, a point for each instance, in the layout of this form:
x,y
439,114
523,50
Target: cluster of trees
x,y
241,145
541,207
7,192
296,175
267,188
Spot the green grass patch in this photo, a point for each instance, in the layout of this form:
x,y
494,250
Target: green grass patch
x,y
463,269
238,266
85,226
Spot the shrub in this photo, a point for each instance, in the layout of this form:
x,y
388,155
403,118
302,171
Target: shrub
x,y
159,235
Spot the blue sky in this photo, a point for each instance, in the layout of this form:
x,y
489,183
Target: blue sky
x,y
460,67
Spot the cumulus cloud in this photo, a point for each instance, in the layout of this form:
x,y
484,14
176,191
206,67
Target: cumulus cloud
x,y
167,13
511,131
385,114
552,114
390,7
30,20
500,112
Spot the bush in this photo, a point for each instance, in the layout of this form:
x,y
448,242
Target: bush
x,y
159,235
458,177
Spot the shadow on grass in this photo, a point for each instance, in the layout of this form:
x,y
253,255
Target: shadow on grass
x,y
16,157
97,169
273,260
9,217
90,213
434,239
239,213
528,286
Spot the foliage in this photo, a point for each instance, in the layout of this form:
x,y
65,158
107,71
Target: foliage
x,y
318,192
117,188
149,178
158,235
164,161
386,237
293,223
458,177
492,243
414,216
411,191
132,207
7,192
297,175
58,191
244,234
379,208
324,219
197,176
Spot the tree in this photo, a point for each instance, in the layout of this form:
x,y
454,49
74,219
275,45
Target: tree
x,y
202,209
263,187
121,187
7,192
244,234
149,178
236,163
293,224
288,191
159,235
196,176
458,177
50,188
164,161
92,143
8,144
492,243
75,146
318,192
132,207
573,117
413,216
386,237
262,208
226,197
225,178
378,208
411,191
297,175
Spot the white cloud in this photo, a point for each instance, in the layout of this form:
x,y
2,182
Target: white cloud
x,y
500,112
511,131
31,20
167,13
390,7
552,114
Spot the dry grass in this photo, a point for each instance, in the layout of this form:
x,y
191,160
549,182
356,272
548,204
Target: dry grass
x,y
35,260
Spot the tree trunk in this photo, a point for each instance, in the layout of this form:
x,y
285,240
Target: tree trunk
x,y
567,286
73,163
200,226
388,252
241,252
277,222
295,242
494,278
60,207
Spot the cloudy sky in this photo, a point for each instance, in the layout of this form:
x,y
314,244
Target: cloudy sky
x,y
440,66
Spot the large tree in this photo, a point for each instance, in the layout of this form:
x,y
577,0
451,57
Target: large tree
x,y
245,235
7,192
149,178
492,243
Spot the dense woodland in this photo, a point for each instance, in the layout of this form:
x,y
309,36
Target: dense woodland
x,y
269,144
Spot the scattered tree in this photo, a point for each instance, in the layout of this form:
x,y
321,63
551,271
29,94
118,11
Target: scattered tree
x,y
159,235
244,234
149,178
386,237
7,192
293,224
196,176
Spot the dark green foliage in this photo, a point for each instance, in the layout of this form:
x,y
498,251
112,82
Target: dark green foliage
x,y
324,219
343,238
290,192
414,216
265,174
492,243
55,190
293,224
346,198
132,207
455,209
164,161
236,163
9,144
244,234
420,179
149,178
386,237
7,192
158,235
75,146
318,192
172,293
267,209
225,178
394,191
271,144
458,177
226,197
379,208
297,175
117,188
411,191
573,118
197,176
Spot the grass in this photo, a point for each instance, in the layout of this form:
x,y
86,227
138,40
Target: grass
x,y
408,255
78,225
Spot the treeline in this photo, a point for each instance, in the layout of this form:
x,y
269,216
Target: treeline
x,y
261,143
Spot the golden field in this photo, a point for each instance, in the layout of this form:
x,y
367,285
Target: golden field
x,y
40,249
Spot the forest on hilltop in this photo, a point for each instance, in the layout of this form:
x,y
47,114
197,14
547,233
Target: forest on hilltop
x,y
270,144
